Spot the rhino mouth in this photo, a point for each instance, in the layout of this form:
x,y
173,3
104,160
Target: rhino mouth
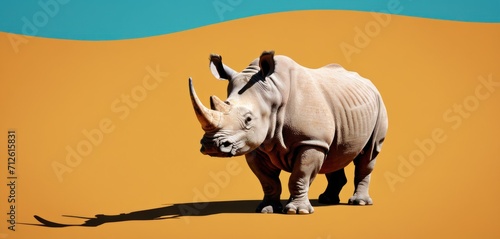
x,y
217,148
215,152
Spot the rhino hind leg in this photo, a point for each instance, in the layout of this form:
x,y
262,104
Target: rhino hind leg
x,y
364,164
305,168
268,176
362,172
336,180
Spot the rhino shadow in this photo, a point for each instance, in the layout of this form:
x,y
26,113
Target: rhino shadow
x,y
173,211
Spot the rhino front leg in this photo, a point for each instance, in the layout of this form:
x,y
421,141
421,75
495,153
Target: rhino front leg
x,y
268,175
306,167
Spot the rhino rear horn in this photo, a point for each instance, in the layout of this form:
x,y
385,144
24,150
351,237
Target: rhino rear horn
x,y
209,119
219,105
219,70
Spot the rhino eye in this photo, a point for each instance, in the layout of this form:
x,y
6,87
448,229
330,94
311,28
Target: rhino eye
x,y
248,120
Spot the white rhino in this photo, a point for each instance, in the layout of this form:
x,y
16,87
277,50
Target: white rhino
x,y
283,116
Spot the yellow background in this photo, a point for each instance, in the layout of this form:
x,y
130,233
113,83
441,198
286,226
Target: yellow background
x,y
51,90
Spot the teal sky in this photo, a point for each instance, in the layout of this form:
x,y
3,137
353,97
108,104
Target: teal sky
x,y
125,19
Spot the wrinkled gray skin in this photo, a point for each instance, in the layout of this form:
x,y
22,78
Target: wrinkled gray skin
x,y
283,116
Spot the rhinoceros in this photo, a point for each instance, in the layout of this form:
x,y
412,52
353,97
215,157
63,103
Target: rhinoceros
x,y
284,116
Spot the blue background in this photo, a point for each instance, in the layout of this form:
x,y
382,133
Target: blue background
x,y
125,19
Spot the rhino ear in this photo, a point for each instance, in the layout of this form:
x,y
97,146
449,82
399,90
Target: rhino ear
x,y
219,70
266,63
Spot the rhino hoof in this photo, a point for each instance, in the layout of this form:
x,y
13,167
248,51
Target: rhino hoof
x,y
274,207
301,211
299,207
360,200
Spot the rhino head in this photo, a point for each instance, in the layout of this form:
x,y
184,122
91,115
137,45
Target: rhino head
x,y
241,123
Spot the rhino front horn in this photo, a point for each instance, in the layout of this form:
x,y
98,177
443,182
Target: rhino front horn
x,y
209,119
